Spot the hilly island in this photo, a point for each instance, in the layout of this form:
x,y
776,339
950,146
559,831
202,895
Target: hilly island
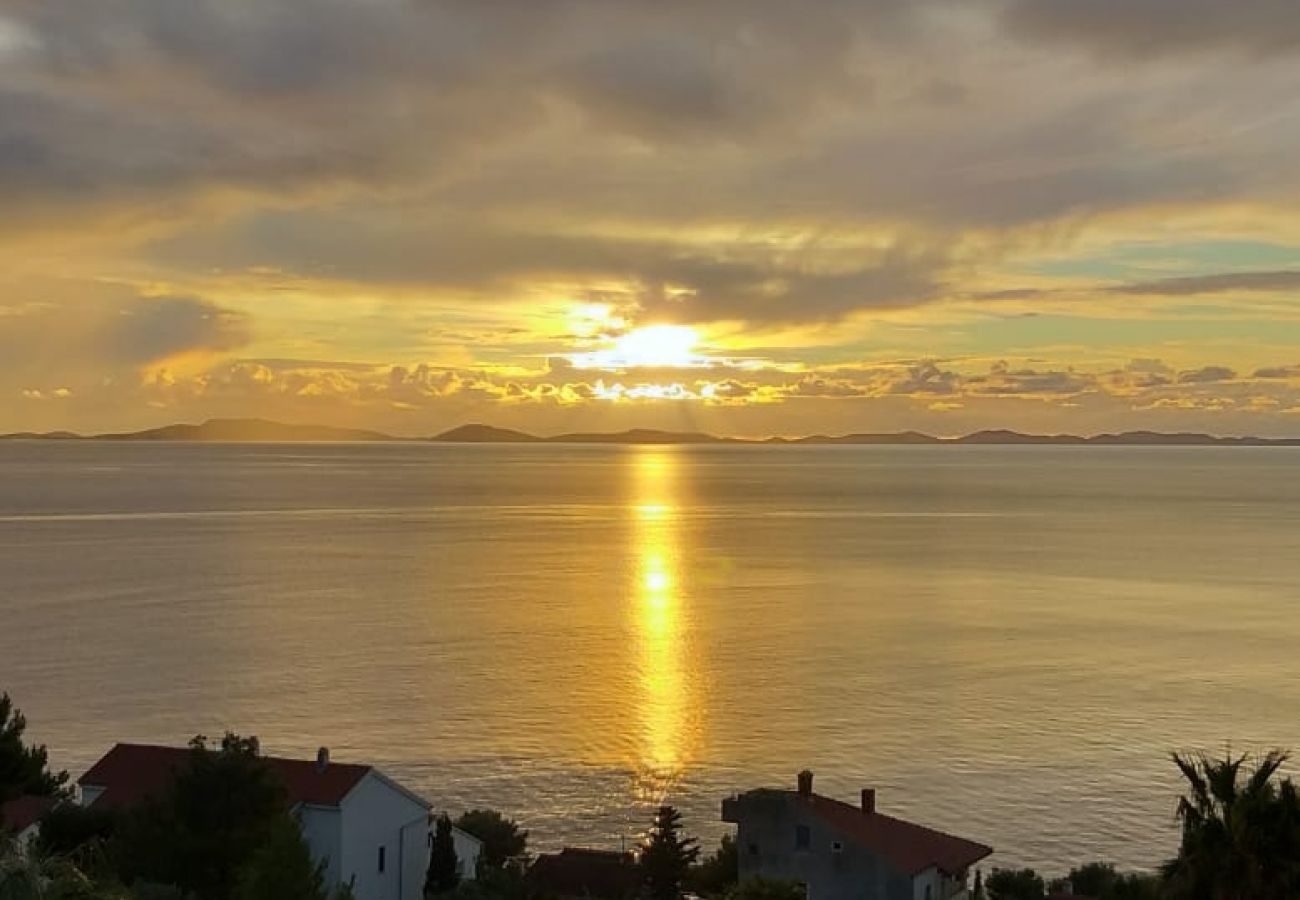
x,y
265,431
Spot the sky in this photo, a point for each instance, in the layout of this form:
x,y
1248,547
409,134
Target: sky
x,y
748,217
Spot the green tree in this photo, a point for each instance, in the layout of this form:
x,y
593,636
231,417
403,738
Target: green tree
x,y
717,873
1102,881
444,867
758,888
1094,879
24,769
1240,830
667,856
70,828
220,809
32,875
493,884
1014,884
502,838
282,868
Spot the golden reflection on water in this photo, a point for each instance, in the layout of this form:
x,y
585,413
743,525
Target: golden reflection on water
x,y
668,702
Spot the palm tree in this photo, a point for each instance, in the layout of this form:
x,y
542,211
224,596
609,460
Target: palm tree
x,y
1241,830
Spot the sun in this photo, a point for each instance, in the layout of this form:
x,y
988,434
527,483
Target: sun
x,y
651,346
657,345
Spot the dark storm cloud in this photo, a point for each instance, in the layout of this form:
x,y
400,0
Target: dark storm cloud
x,y
1145,28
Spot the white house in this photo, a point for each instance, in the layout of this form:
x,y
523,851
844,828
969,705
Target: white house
x,y
370,832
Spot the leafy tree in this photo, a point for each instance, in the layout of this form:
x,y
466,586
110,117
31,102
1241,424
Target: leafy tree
x,y
1014,884
502,838
70,828
220,810
1100,880
667,857
1094,879
282,868
717,873
444,868
493,884
759,888
24,769
32,875
1240,830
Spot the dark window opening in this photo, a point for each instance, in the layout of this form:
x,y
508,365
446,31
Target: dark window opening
x,y
802,837
753,849
381,858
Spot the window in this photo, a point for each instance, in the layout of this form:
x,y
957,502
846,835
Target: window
x,y
837,846
753,849
802,837
381,858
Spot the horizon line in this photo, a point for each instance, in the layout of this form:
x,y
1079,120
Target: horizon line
x,y
258,430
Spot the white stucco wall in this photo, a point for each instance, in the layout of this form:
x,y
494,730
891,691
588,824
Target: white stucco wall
x,y
468,850
322,828
376,814
931,879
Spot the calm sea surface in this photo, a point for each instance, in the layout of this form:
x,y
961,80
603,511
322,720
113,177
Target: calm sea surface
x,y
1007,642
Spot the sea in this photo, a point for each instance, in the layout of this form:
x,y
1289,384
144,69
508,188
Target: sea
x,y
1008,643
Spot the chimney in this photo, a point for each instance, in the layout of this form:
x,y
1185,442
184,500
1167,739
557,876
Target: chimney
x,y
322,759
868,800
805,783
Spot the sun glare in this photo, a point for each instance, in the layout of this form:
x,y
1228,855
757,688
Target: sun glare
x,y
658,345
649,347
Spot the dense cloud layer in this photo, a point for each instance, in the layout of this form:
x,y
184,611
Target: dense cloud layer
x,y
437,186
1141,29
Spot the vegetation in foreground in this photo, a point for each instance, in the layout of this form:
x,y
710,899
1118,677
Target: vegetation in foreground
x,y
223,832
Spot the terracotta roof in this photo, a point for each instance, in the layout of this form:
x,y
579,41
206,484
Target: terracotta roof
x,y
131,772
908,847
18,814
578,872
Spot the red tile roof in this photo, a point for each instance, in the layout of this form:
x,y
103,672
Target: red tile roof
x,y
579,872
17,814
910,848
131,772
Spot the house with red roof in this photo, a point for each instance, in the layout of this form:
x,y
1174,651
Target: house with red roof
x,y
842,851
371,832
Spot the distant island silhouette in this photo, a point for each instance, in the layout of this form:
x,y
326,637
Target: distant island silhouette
x,y
265,431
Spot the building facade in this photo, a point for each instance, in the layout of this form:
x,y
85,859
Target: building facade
x,y
840,851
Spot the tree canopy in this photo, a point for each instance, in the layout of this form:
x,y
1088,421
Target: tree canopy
x,y
717,873
666,858
444,867
1240,830
767,889
1015,884
282,868
502,838
24,769
219,812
